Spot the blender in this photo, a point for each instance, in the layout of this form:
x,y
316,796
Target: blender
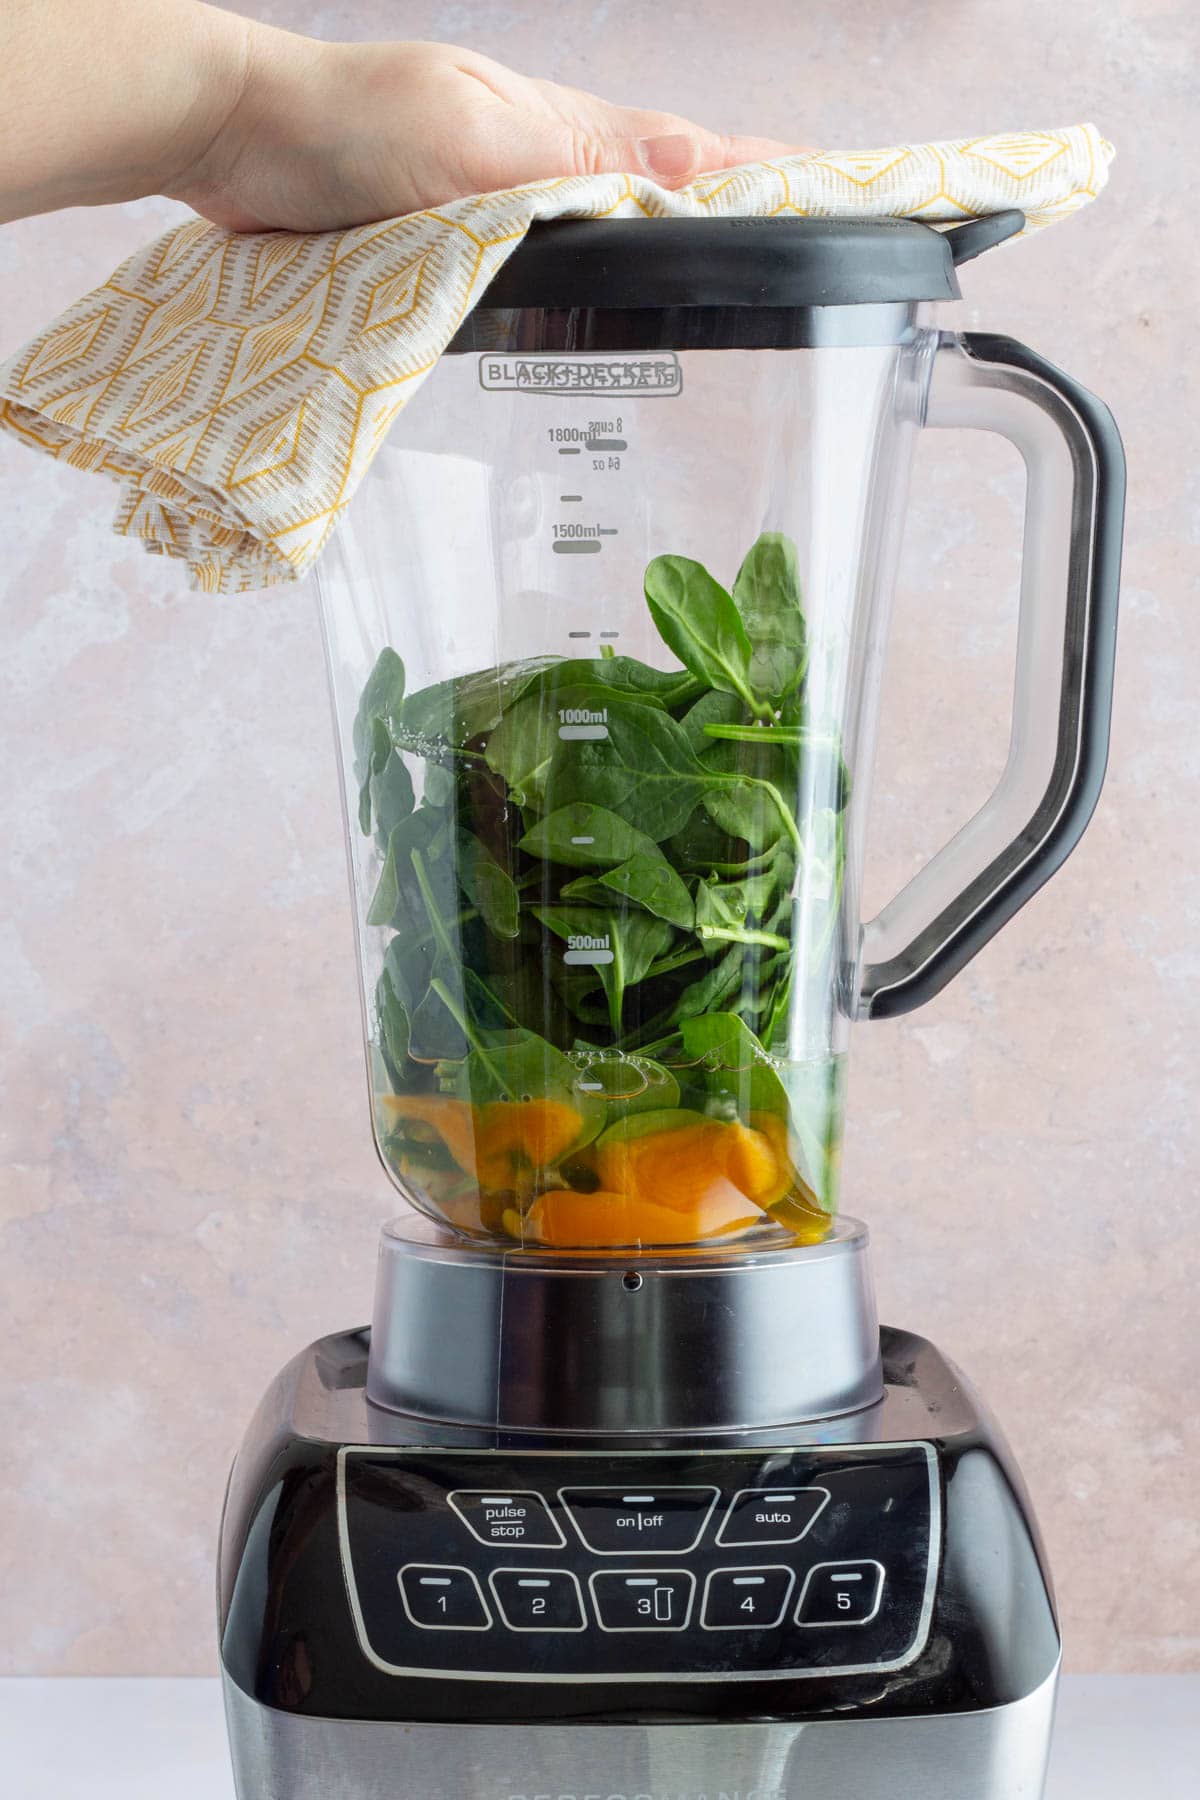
x,y
625,1493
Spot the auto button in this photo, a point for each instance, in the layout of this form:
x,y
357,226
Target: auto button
x,y
779,1515
640,1521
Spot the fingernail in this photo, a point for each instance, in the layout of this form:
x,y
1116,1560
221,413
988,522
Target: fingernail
x,y
671,157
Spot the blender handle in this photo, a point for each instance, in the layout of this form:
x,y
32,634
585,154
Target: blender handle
x,y
1066,641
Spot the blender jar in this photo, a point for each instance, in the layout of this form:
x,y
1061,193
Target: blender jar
x,y
605,631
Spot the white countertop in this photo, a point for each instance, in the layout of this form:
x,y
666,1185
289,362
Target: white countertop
x,y
1119,1737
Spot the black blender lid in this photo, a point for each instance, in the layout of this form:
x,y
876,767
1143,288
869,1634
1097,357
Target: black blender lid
x,y
620,264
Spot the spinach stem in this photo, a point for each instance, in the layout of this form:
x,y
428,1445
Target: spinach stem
x,y
796,736
441,936
739,934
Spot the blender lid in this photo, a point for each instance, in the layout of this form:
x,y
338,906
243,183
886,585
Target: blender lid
x,y
626,264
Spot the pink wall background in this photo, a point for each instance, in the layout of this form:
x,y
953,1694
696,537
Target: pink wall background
x,y
189,1192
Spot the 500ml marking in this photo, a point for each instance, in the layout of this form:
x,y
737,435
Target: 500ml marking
x,y
586,952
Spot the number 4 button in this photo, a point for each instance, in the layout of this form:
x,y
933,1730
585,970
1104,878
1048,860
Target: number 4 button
x,y
846,1593
745,1599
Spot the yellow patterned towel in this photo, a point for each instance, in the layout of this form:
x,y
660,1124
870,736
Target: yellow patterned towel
x,y
238,387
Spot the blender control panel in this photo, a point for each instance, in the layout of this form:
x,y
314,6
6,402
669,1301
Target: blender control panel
x,y
569,1566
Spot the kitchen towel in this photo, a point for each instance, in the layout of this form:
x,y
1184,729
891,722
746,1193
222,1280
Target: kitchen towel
x,y
236,387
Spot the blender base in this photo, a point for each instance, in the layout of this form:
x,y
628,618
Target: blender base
x,y
342,1684
998,1754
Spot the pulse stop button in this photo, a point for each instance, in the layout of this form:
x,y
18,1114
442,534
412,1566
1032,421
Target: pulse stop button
x,y
512,1517
771,1515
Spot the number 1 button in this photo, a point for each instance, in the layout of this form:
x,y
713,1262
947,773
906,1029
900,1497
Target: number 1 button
x,y
440,1597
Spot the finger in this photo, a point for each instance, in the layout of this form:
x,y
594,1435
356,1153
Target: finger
x,y
629,140
674,158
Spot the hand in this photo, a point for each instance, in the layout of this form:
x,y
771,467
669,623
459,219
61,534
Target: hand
x,y
327,135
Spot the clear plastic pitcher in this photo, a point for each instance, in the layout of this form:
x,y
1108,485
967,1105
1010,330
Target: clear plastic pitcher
x,y
606,627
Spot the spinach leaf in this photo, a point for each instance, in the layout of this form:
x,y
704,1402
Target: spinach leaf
x,y
722,979
633,940
452,712
585,837
488,886
397,900
713,708
392,1018
649,881
756,799
667,688
437,1032
391,796
737,1068
515,1066
378,710
767,595
698,620
643,769
438,787
735,910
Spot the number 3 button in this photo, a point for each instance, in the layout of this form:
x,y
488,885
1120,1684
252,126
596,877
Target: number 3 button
x,y
745,1599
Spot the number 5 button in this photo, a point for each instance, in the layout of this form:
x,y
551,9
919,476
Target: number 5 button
x,y
846,1593
745,1599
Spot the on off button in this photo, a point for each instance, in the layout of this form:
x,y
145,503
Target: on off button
x,y
633,1521
507,1516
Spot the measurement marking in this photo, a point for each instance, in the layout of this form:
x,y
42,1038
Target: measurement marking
x,y
533,1583
581,634
577,547
583,840
607,530
590,1087
838,1579
433,1581
749,1581
579,959
594,734
573,450
605,444
610,634
570,496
